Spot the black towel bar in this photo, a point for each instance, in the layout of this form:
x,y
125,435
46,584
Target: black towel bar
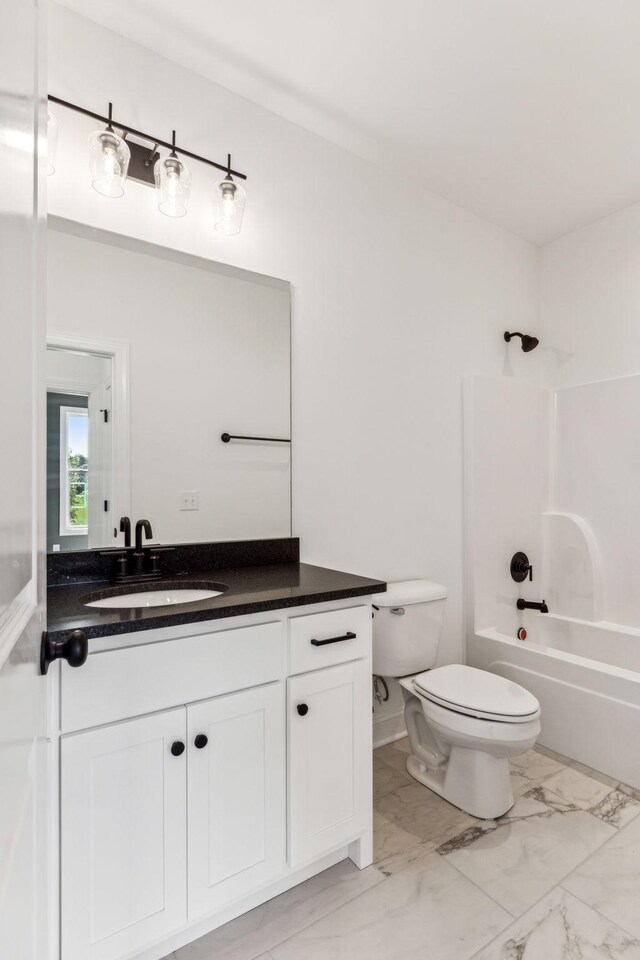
x,y
225,437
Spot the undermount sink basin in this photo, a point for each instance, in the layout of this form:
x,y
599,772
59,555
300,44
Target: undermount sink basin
x,y
154,595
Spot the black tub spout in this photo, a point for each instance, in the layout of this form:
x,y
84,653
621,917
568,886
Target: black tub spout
x,y
532,605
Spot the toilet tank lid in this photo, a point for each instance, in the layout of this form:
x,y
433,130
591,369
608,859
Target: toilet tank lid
x,y
405,592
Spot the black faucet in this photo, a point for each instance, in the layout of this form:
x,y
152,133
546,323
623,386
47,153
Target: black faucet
x,y
138,554
532,605
125,527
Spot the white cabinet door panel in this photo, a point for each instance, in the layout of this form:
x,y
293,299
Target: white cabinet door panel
x,y
123,836
329,764
237,795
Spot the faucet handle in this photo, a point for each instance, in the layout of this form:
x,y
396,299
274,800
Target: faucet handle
x,y
520,567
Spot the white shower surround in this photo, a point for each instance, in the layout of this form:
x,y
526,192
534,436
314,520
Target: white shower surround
x,y
543,472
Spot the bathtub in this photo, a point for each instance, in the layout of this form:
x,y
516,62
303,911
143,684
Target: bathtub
x,y
587,679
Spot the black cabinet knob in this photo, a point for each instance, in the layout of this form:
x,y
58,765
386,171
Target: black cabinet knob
x,y
74,649
201,741
303,709
177,748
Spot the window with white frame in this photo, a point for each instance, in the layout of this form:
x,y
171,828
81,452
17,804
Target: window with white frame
x,y
74,471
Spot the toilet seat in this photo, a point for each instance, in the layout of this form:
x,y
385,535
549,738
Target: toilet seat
x,y
477,693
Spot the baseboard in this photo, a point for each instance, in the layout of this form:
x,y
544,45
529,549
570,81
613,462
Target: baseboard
x,y
388,729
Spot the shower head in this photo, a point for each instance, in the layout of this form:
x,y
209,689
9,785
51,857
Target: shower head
x,y
528,343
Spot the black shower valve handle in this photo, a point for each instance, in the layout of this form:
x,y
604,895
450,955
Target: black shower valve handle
x,y
520,567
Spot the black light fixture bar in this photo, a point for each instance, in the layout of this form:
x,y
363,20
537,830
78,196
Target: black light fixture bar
x,y
146,136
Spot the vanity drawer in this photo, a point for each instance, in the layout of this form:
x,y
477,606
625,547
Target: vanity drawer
x,y
117,684
322,639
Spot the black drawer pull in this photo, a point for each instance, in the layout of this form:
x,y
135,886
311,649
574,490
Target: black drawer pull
x,y
347,636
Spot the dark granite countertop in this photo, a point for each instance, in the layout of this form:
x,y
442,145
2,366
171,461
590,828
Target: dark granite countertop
x,y
251,589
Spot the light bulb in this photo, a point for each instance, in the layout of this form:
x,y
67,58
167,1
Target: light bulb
x,y
109,157
52,142
230,207
173,184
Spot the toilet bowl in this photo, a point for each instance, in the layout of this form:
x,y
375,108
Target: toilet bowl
x,y
461,750
463,723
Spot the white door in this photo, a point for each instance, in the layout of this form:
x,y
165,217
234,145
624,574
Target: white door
x,y
123,826
24,800
329,761
237,795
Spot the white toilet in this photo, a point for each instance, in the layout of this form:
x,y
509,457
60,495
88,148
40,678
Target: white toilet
x,y
463,723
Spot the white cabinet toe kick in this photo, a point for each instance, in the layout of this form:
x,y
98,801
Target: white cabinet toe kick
x,y
203,774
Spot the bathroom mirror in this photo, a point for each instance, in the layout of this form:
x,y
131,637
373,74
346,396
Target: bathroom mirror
x,y
152,356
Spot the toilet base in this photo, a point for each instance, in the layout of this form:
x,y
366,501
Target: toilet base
x,y
471,780
462,758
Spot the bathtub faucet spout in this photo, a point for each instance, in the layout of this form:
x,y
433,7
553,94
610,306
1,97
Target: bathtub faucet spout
x,y
531,605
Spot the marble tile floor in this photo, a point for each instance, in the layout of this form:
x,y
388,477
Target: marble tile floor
x,y
556,878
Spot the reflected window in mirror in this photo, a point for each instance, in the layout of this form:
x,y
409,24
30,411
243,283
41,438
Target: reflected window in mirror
x,y
74,471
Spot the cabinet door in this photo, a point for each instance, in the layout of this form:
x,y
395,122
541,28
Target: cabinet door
x,y
329,717
123,837
237,795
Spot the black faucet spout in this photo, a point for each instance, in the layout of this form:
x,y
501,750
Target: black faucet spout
x,y
148,532
532,605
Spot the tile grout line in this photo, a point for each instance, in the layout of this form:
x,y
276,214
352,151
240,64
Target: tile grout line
x,y
512,916
328,914
260,953
613,923
558,883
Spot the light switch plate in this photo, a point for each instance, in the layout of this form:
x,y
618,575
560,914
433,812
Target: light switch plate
x,y
189,500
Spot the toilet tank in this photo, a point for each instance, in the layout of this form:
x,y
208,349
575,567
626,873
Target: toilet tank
x,y
406,627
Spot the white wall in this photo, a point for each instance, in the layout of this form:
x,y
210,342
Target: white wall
x,y
397,296
590,300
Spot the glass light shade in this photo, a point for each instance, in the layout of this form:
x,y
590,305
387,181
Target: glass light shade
x,y
173,185
109,158
231,198
52,142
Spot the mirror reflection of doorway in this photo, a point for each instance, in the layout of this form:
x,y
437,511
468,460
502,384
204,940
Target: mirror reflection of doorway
x,y
79,451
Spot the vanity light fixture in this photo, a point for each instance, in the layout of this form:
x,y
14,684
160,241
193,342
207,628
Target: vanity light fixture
x,y
115,158
230,202
109,157
52,142
173,183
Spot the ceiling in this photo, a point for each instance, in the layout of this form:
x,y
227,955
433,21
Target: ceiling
x,y
526,112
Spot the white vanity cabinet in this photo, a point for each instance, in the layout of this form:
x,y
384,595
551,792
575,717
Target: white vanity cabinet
x,y
226,791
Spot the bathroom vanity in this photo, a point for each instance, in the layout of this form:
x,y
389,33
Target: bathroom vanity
x,y
216,752
212,754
